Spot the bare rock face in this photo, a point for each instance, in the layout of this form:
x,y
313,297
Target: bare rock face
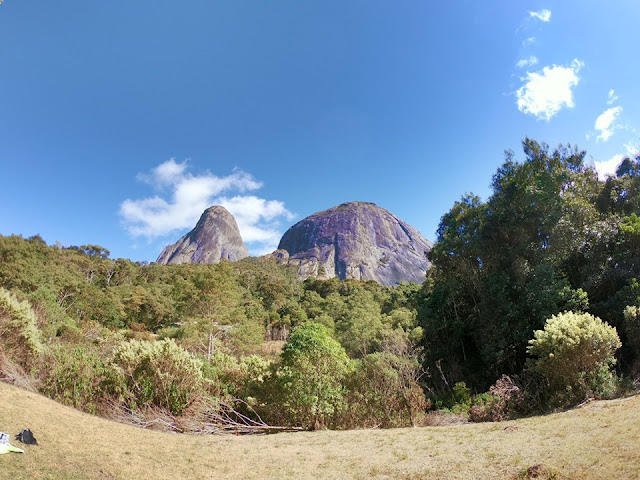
x,y
356,240
214,238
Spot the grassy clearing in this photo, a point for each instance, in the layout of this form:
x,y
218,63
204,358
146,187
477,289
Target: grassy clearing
x,y
599,440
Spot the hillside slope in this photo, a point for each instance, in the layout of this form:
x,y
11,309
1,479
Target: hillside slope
x,y
599,440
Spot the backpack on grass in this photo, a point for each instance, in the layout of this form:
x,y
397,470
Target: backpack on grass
x,y
25,436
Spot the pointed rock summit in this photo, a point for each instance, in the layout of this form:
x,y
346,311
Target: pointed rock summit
x,y
356,240
214,238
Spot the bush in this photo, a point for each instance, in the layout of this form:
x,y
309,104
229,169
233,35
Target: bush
x,y
19,333
575,353
457,401
73,376
155,374
230,376
504,399
310,376
383,392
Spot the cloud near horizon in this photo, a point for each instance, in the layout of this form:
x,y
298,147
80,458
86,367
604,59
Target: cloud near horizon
x,y
548,91
182,197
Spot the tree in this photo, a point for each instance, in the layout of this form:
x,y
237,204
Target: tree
x,y
503,266
219,301
310,375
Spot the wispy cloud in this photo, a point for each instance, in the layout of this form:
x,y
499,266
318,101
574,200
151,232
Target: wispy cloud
x,y
605,123
527,62
543,15
181,197
612,98
548,91
528,41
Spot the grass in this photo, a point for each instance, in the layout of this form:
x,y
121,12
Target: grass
x,y
600,440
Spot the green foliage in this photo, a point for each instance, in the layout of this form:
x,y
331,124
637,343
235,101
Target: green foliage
x,y
155,374
87,304
19,332
632,331
247,335
73,376
502,266
245,377
575,353
462,394
550,238
310,376
360,324
383,392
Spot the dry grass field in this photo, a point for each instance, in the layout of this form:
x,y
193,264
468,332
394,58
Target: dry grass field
x,y
600,440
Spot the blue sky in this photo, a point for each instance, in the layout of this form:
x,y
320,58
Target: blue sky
x,y
120,122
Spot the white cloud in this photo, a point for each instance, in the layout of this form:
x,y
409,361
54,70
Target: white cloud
x,y
528,41
189,195
608,167
612,97
605,122
165,173
545,93
544,15
527,62
255,217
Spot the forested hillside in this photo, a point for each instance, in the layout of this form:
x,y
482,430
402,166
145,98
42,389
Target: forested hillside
x,y
550,238
245,344
125,329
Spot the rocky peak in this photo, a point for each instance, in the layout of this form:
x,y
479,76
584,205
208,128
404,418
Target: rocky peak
x,y
214,238
356,240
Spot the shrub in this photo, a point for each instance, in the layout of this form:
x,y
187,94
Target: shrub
x,y
574,354
504,399
383,392
228,375
310,376
155,374
19,333
73,376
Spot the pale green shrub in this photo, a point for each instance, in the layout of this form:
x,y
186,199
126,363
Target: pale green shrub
x,y
155,374
19,333
575,353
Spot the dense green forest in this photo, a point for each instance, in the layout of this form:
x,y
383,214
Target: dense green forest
x,y
247,343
